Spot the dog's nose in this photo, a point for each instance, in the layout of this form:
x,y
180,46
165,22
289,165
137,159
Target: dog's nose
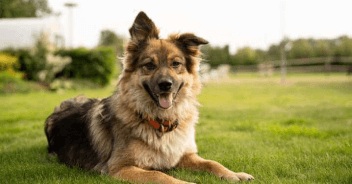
x,y
165,85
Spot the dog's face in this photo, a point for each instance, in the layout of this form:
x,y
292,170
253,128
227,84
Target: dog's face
x,y
161,67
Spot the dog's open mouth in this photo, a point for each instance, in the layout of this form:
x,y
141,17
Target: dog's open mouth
x,y
163,100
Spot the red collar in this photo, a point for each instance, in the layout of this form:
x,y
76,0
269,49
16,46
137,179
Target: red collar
x,y
162,126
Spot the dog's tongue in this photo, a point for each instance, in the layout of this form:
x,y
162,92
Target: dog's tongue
x,y
165,100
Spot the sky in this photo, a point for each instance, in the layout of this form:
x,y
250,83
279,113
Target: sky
x,y
256,24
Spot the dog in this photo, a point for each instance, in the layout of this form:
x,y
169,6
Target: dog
x,y
148,125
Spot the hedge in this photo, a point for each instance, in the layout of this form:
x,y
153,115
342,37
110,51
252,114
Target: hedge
x,y
96,65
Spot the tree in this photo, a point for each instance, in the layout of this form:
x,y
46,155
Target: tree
x,y
312,42
246,56
109,38
343,46
23,8
261,55
216,55
301,48
322,49
32,62
274,52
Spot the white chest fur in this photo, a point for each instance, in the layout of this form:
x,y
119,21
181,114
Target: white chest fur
x,y
164,152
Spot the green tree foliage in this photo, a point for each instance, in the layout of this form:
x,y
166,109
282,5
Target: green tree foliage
x,y
274,52
261,55
312,42
109,38
322,48
301,48
246,56
343,46
23,8
216,55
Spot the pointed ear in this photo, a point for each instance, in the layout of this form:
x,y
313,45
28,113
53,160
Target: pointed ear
x,y
189,39
143,28
189,43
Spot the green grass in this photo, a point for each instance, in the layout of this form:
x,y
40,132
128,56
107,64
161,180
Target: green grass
x,y
297,132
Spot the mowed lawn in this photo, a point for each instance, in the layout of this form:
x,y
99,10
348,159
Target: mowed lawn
x,y
297,132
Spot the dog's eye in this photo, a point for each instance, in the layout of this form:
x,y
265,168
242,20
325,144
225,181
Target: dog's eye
x,y
176,64
150,66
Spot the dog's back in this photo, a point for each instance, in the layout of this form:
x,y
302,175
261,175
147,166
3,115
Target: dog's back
x,y
67,131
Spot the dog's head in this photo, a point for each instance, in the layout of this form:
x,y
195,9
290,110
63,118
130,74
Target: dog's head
x,y
163,69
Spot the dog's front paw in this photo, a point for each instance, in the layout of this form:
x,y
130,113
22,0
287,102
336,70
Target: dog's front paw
x,y
238,176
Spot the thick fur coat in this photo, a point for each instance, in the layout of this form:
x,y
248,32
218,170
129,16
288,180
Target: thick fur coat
x,y
118,135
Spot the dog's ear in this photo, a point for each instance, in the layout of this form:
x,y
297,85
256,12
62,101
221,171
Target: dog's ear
x,y
189,39
143,29
189,43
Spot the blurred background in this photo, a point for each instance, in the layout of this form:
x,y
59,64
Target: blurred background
x,y
276,100
46,40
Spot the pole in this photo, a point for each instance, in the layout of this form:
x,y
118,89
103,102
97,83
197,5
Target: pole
x,y
283,58
70,6
71,27
283,63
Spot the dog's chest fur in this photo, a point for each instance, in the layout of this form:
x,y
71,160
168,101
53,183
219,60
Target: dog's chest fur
x,y
137,141
164,152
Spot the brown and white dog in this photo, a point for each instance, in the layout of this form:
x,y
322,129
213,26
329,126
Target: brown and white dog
x,y
148,124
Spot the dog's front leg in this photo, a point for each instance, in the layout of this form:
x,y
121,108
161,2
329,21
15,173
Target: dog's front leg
x,y
136,174
195,162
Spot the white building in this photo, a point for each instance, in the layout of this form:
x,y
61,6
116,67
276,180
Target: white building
x,y
22,32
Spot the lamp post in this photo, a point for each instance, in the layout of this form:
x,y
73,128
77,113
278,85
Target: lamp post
x,y
70,6
283,44
58,36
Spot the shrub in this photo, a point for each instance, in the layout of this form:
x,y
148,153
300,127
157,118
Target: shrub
x,y
30,64
95,65
32,61
11,81
8,62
